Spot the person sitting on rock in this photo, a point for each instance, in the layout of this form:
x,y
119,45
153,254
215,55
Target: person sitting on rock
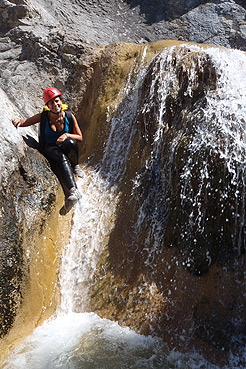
x,y
58,136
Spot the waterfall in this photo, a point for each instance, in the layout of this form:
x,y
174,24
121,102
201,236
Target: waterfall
x,y
93,219
77,338
215,128
222,132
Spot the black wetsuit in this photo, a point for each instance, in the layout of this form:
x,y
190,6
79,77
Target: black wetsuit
x,y
63,157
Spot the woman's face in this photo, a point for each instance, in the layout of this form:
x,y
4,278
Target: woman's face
x,y
55,105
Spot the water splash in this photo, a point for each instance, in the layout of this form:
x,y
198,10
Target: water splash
x,y
215,128
221,133
84,341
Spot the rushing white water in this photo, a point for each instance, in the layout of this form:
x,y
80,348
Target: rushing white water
x,y
75,339
92,222
84,341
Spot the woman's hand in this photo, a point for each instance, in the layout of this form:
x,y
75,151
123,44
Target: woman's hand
x,y
16,122
25,122
62,138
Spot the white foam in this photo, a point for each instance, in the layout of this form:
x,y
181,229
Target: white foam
x,y
83,341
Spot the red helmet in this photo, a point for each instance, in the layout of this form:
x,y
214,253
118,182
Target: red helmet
x,y
50,93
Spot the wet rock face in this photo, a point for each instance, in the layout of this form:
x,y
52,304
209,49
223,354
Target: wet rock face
x,y
11,273
184,190
25,202
165,211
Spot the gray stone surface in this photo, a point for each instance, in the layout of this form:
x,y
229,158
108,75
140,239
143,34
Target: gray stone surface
x,y
220,22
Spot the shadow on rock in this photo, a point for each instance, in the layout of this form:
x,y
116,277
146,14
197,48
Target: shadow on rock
x,y
157,10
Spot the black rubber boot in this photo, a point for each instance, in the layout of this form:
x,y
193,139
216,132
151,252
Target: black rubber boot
x,y
65,175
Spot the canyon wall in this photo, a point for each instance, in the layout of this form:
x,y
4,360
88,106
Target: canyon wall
x,y
69,46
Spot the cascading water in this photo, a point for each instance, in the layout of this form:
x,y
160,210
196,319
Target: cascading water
x,y
222,133
75,339
212,129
